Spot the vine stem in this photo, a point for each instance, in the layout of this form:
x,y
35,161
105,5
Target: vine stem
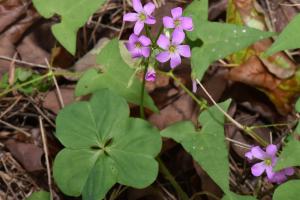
x,y
164,170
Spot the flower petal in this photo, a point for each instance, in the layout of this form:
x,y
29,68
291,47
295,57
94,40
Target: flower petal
x,y
138,27
289,171
271,150
150,75
145,41
163,56
178,36
130,46
175,60
176,12
257,152
258,169
163,42
278,178
133,38
187,23
184,50
168,22
136,53
269,171
130,17
137,5
249,155
150,20
146,51
149,8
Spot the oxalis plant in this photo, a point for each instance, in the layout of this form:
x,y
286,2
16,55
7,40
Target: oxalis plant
x,y
104,146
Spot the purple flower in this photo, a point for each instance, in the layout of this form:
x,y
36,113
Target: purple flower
x,y
138,46
268,158
281,176
142,15
172,50
268,161
150,75
178,22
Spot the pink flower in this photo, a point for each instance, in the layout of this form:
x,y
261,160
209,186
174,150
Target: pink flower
x,y
281,176
142,15
178,22
172,50
150,75
138,46
268,161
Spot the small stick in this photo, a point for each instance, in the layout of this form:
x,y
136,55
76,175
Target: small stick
x,y
44,139
10,107
60,98
16,128
23,62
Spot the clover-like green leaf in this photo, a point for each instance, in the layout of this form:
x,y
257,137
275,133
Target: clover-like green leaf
x,y
73,15
288,39
117,76
103,147
289,157
288,191
40,195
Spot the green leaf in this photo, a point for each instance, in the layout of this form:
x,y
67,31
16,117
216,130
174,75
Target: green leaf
x,y
288,39
289,157
288,191
233,196
208,146
23,74
117,76
297,106
103,147
219,41
40,195
73,15
198,10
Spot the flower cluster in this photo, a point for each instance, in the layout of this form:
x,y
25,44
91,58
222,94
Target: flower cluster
x,y
267,162
170,48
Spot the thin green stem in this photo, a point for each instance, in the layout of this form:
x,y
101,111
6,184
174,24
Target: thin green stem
x,y
202,103
142,110
168,176
26,83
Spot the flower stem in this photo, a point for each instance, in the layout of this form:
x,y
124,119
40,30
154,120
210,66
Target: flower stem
x,y
164,170
142,111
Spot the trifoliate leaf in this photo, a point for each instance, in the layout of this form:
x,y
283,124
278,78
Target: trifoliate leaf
x,y
73,15
103,147
288,39
117,76
288,191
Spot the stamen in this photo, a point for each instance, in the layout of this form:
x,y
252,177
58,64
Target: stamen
x,y
172,49
142,17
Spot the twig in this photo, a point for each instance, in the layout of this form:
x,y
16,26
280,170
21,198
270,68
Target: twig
x,y
10,107
16,128
236,123
46,156
60,98
123,22
23,62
